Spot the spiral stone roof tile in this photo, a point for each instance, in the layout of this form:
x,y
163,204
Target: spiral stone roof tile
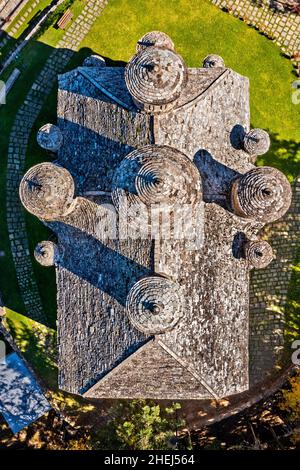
x,y
155,78
152,180
257,142
154,38
46,253
259,254
49,137
47,191
155,305
94,61
213,61
155,175
262,194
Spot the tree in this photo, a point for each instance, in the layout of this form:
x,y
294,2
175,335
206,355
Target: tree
x,y
139,425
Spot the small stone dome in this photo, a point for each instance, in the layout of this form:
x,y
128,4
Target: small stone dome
x,y
155,305
47,191
46,253
262,194
50,137
94,61
155,78
256,142
155,38
212,61
258,253
156,174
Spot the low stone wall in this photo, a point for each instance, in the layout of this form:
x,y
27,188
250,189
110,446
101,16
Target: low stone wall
x,y
268,294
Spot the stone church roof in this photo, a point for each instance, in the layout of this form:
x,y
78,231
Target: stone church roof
x,y
148,308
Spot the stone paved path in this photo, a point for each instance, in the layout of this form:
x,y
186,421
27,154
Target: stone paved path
x,y
18,140
283,28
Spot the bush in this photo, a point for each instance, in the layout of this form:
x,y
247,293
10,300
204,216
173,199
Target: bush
x,y
291,399
139,425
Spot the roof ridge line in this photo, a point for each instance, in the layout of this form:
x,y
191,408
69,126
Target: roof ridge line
x,y
101,88
118,366
189,369
207,90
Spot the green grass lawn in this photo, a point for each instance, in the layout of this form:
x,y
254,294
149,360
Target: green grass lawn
x,y
197,29
37,342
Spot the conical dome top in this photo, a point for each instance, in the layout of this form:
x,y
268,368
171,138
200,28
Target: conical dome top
x,y
155,38
155,78
262,194
155,305
47,191
156,174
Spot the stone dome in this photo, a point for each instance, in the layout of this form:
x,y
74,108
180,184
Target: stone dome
x,y
153,175
155,78
50,137
155,38
263,194
47,191
259,254
212,61
256,142
46,253
155,305
94,61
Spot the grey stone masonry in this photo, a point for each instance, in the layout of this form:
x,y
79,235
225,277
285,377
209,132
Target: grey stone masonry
x,y
18,140
125,144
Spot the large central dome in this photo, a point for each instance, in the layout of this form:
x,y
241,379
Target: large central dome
x,y
156,174
156,180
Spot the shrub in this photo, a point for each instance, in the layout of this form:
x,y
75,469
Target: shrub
x,y
139,425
